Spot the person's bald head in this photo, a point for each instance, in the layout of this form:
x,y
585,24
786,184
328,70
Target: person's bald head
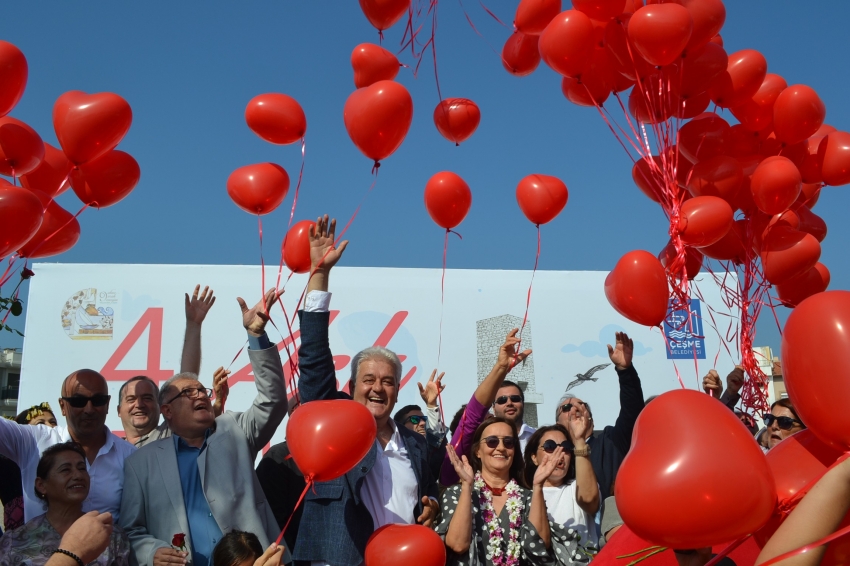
x,y
85,404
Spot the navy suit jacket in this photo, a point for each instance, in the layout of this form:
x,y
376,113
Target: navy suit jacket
x,y
336,524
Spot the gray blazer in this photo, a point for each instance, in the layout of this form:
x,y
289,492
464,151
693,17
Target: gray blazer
x,y
152,507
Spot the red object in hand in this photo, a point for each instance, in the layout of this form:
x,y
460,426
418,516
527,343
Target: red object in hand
x,y
178,540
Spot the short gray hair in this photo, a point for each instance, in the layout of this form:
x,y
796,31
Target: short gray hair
x,y
163,389
564,397
375,353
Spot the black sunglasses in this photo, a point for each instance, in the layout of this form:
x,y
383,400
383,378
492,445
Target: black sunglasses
x,y
415,419
78,401
192,393
785,423
566,407
504,399
493,442
550,446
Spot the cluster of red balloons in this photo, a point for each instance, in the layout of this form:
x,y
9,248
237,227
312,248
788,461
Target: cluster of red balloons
x,y
88,127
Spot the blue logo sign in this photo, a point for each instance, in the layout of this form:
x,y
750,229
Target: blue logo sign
x,y
683,328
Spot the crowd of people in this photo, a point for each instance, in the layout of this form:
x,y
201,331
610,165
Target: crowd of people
x,y
180,486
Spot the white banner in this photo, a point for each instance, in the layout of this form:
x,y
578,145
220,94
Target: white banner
x,y
125,320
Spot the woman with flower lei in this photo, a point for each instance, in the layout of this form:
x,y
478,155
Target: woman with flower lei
x,y
571,492
491,518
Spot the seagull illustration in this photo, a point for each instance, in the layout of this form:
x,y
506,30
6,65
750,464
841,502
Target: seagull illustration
x,y
582,377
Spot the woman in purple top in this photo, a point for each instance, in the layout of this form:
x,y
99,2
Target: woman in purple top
x,y
479,404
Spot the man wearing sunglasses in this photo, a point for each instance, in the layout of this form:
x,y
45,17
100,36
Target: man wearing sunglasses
x,y
201,480
608,449
510,404
393,483
84,404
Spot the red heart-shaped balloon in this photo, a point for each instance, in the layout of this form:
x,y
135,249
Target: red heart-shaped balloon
x,y
52,175
57,234
447,199
107,179
520,55
693,260
296,247
13,76
384,13
21,214
637,288
667,490
314,439
89,125
797,289
392,545
258,188
661,31
705,220
276,117
532,16
378,117
786,253
373,63
541,197
21,148
457,118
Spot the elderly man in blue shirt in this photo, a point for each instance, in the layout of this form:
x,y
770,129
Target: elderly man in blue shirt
x,y
201,482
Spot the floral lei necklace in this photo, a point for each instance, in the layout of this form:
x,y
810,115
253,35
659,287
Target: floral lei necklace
x,y
514,505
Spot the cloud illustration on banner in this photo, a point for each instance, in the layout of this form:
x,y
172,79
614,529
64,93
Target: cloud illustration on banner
x,y
599,348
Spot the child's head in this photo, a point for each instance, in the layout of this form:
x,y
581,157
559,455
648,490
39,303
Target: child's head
x,y
237,548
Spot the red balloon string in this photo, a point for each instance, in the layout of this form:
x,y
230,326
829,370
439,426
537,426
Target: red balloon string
x,y
443,291
291,214
375,169
237,354
675,367
44,241
298,504
262,264
729,548
492,15
475,29
528,298
9,270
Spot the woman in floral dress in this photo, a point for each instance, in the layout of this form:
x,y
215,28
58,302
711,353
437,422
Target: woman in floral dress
x,y
490,518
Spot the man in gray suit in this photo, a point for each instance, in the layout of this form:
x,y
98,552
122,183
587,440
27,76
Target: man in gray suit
x,y
201,482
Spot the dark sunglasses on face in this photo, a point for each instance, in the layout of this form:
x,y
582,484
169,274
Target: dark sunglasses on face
x,y
565,408
492,442
415,419
785,423
504,399
550,446
193,393
78,401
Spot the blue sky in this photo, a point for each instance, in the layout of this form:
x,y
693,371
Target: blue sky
x,y
189,69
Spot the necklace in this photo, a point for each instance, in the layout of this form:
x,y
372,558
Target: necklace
x,y
514,505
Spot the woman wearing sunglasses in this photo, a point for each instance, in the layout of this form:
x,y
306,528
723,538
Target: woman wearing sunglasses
x,y
490,518
781,422
571,492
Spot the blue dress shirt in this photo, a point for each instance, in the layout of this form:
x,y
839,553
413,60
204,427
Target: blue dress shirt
x,y
203,528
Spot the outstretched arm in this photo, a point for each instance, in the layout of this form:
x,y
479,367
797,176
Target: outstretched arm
x,y
631,392
323,253
196,311
817,515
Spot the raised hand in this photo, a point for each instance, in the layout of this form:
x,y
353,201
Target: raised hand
x,y
432,389
711,384
254,319
221,388
463,468
579,426
271,557
198,306
88,536
547,466
735,379
508,356
621,353
323,254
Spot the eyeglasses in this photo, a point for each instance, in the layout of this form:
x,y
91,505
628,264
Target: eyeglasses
x,y
415,419
78,401
192,393
566,407
550,446
492,442
785,423
504,399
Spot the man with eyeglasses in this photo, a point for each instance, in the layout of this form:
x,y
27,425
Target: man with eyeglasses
x,y
200,481
510,404
84,403
608,449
